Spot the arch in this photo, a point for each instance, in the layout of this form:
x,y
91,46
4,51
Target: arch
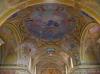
x,y
50,65
25,4
86,38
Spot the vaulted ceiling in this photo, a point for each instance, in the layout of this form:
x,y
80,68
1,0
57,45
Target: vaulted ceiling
x,y
49,31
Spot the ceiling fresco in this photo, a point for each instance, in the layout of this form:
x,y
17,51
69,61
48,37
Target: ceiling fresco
x,y
50,21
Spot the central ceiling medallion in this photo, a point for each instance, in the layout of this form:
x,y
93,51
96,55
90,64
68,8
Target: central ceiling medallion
x,y
50,21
